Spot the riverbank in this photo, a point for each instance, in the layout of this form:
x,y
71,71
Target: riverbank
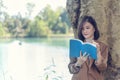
x,y
61,36
50,36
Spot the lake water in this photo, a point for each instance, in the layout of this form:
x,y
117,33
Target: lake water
x,y
34,59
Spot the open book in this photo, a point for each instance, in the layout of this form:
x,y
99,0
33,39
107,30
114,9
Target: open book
x,y
77,45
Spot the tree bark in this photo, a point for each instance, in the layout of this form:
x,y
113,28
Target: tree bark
x,y
107,16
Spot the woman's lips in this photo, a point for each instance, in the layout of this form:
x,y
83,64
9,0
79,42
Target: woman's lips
x,y
85,34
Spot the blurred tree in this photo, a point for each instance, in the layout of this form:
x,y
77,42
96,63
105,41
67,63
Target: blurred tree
x,y
2,6
107,16
49,16
38,29
47,21
30,7
64,18
56,20
2,31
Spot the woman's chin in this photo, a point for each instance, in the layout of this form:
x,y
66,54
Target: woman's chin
x,y
86,37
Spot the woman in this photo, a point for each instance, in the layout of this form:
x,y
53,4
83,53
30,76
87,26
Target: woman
x,y
84,67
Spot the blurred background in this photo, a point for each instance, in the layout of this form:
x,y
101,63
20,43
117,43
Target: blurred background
x,y
34,40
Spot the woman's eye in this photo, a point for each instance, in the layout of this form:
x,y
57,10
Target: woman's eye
x,y
87,28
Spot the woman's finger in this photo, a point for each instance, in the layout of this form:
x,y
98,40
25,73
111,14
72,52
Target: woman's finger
x,y
87,55
80,53
84,54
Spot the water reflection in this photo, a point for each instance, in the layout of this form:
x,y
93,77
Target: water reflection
x,y
25,60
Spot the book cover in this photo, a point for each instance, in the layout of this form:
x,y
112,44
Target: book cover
x,y
77,45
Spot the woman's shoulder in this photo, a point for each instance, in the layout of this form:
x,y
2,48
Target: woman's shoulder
x,y
101,43
103,47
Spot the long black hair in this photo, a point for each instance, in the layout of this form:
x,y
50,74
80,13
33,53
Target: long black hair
x,y
92,21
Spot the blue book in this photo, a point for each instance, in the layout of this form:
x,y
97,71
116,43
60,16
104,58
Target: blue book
x,y
77,45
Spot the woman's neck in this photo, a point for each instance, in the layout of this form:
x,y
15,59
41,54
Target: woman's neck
x,y
89,40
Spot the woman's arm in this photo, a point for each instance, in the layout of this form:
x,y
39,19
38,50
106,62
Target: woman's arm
x,y
76,63
101,62
72,66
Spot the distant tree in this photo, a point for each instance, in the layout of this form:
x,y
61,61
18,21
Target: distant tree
x,y
2,6
2,31
64,18
57,20
49,16
30,7
38,28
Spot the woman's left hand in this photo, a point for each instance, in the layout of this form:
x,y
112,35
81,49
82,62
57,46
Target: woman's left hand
x,y
97,45
99,56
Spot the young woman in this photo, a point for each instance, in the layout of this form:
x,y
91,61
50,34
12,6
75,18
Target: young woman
x,y
84,67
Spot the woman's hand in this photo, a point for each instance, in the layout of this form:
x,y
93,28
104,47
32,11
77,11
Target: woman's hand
x,y
97,45
99,56
81,59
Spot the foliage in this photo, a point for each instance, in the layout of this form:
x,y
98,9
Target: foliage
x,y
57,20
38,28
2,31
46,22
30,7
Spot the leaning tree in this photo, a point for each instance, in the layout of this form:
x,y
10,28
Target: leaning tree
x,y
107,15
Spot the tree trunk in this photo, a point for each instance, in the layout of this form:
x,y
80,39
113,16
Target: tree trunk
x,y
107,16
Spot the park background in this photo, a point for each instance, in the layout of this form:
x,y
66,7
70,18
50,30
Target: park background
x,y
34,40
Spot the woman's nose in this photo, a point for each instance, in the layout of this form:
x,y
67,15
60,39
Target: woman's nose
x,y
85,31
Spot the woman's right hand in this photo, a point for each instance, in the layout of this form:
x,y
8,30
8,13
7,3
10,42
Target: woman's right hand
x,y
81,59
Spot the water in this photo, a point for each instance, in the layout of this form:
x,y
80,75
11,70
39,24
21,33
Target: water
x,y
34,59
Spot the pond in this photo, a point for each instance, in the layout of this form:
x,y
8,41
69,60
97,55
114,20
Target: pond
x,y
34,59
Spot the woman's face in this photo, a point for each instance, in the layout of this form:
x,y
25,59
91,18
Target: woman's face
x,y
88,31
